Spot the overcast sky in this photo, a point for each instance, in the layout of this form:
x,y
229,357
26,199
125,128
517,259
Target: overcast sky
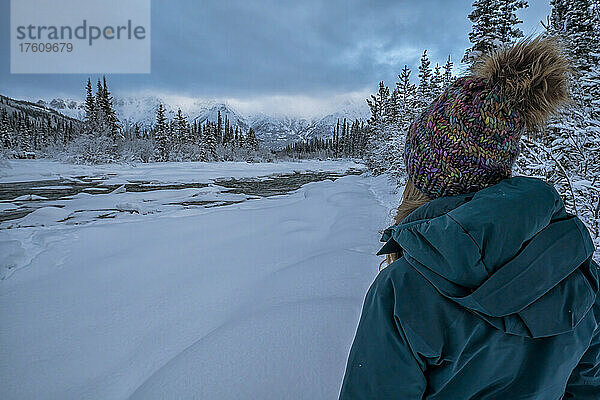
x,y
260,51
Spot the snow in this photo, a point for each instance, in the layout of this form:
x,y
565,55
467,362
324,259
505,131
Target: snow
x,y
29,197
258,299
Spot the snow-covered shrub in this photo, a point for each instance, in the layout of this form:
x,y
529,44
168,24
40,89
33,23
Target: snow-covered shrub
x,y
89,149
137,150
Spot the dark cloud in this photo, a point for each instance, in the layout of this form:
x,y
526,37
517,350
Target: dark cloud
x,y
246,48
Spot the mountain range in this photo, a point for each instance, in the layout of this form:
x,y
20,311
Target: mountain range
x,y
274,131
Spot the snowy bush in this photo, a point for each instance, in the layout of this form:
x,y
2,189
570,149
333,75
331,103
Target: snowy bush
x,y
90,149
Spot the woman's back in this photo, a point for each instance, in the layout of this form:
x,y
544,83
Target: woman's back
x,y
495,297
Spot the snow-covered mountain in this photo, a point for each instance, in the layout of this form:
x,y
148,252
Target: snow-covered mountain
x,y
272,130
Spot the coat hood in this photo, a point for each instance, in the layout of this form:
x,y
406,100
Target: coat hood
x,y
510,253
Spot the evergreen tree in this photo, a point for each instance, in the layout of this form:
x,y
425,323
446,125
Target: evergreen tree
x,y
211,140
90,109
182,127
377,104
507,29
447,79
437,81
161,142
5,130
219,127
574,21
252,140
494,25
111,121
424,90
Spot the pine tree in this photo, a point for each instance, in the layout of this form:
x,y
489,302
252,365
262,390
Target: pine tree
x,y
424,90
494,25
447,79
161,142
211,139
507,29
252,140
90,109
5,130
219,127
182,127
111,121
377,104
574,21
437,81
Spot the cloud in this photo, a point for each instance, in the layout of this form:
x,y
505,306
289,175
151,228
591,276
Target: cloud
x,y
273,50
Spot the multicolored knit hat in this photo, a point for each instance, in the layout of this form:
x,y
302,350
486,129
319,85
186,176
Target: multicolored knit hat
x,y
468,138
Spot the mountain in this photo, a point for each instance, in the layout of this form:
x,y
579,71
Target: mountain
x,y
274,131
37,111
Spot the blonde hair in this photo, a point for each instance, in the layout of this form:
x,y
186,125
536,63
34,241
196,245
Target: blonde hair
x,y
412,198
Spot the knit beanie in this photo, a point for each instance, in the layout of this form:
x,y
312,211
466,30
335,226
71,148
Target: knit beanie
x,y
468,138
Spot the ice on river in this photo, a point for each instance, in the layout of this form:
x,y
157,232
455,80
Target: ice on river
x,y
258,299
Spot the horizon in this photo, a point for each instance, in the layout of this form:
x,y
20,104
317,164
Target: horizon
x,y
350,48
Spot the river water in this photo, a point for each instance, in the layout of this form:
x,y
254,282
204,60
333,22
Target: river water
x,y
18,199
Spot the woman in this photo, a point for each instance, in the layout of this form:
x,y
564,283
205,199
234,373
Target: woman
x,y
492,292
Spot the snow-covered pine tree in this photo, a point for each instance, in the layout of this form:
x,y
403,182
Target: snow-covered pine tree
x,y
424,90
219,133
111,122
494,25
448,78
90,119
161,140
209,141
377,104
251,139
100,106
573,21
5,130
437,81
182,127
507,28
376,157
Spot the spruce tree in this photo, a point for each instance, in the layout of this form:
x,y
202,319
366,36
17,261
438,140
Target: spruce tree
x,y
437,81
5,130
90,109
424,90
111,122
377,104
182,127
161,143
494,25
447,79
252,140
219,133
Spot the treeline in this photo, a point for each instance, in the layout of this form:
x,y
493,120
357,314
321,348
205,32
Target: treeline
x,y
178,140
26,128
347,140
392,111
30,130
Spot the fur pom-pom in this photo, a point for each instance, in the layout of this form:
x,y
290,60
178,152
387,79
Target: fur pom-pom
x,y
533,76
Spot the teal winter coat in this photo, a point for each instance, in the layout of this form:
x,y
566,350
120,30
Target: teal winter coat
x,y
495,297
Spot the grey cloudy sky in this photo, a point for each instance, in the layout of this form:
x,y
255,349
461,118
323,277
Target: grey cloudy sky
x,y
270,49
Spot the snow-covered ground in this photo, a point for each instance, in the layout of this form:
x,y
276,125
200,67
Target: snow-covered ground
x,y
255,300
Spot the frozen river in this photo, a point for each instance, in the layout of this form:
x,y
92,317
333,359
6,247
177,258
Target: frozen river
x,y
184,280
